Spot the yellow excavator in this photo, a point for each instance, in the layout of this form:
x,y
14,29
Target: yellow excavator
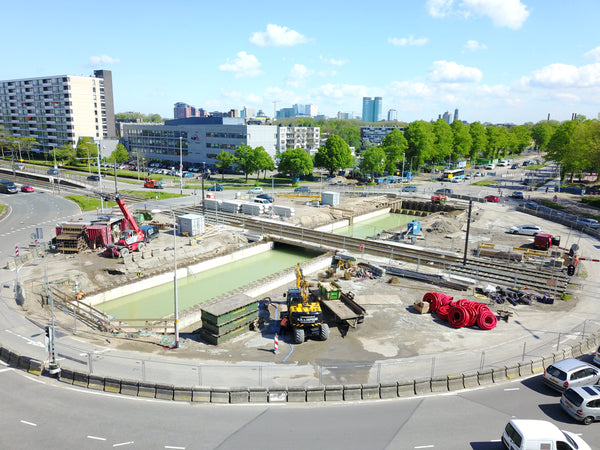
x,y
304,314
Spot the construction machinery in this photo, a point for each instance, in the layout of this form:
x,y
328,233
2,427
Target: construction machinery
x,y
153,184
304,316
129,240
439,199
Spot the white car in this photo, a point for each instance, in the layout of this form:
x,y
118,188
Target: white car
x,y
529,230
255,190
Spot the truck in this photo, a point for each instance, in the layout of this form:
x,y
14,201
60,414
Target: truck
x,y
542,241
304,315
153,184
129,240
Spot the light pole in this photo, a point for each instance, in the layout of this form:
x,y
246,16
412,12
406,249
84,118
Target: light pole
x,y
176,299
203,176
181,168
403,160
99,178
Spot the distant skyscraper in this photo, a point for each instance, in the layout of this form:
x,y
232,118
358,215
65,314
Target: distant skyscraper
x,y
182,110
447,117
456,114
372,109
392,115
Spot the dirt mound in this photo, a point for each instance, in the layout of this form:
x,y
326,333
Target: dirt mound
x,y
444,225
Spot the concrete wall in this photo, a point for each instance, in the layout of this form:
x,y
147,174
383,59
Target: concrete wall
x,y
330,227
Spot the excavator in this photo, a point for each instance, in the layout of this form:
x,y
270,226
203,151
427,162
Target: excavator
x,y
304,315
129,240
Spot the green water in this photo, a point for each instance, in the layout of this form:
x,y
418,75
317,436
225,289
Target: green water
x,y
159,301
376,225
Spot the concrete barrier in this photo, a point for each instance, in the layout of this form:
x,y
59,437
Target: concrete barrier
x,y
388,390
334,393
439,384
201,394
96,382
499,374
112,385
80,379
585,348
4,354
315,393
537,365
296,394
13,359
370,392
182,394
147,390
23,363
219,395
470,380
567,353
548,360
512,371
258,394
129,387
239,395
423,386
277,395
485,377
164,391
576,350
352,392
455,382
406,388
525,368
66,376
35,367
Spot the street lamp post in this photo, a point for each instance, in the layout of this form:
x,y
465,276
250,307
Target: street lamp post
x,y
203,176
181,167
175,295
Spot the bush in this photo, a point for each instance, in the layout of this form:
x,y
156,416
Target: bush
x,y
591,201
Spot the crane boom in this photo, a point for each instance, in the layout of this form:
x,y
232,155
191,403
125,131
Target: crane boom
x,y
126,213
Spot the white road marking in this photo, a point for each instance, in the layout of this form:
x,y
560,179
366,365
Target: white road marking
x,y
96,438
3,363
7,370
29,341
177,448
425,446
512,389
29,423
123,443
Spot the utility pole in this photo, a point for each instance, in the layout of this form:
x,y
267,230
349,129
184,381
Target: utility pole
x,y
53,366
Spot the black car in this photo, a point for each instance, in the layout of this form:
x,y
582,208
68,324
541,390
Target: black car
x,y
150,232
444,191
266,197
93,177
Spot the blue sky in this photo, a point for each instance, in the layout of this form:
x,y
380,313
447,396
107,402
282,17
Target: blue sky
x,y
494,60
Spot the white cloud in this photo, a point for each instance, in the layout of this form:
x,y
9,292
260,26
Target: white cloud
x,y
297,75
409,89
473,46
334,62
402,42
504,13
277,36
244,65
341,91
564,76
593,54
102,60
451,72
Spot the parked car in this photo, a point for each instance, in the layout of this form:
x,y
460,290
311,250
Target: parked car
x,y
489,167
93,177
150,232
492,198
444,191
582,403
266,197
26,188
255,190
570,372
409,188
52,171
518,194
304,189
591,223
596,359
520,434
529,230
531,205
477,174
216,187
514,166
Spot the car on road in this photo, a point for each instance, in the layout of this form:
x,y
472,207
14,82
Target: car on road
x,y
596,359
531,205
528,230
582,403
8,187
514,166
489,167
255,190
518,194
523,434
444,191
409,188
94,177
26,188
591,223
266,197
304,189
570,372
492,198
477,174
52,171
216,187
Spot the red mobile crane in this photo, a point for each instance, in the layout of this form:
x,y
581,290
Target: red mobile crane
x,y
129,240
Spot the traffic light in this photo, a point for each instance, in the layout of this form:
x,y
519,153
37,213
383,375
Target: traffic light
x,y
571,270
47,330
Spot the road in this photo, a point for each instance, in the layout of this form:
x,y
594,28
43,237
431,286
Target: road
x,y
40,412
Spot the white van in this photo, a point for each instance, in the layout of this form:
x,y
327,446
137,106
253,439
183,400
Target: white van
x,y
490,167
262,201
540,435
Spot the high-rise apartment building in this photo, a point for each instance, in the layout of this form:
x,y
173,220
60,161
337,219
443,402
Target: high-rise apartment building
x,y
58,110
455,114
372,109
447,117
392,115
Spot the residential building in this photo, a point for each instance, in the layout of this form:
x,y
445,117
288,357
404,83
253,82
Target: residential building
x,y
375,135
183,111
372,109
58,110
247,112
344,116
307,138
392,115
447,117
455,114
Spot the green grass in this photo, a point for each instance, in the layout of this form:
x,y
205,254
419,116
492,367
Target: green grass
x,y
151,194
484,183
3,210
89,203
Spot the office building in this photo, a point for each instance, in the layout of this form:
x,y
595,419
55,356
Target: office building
x,y
372,109
375,135
58,110
392,115
447,117
455,114
183,111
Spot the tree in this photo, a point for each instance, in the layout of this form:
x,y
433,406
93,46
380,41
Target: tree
x,y
373,160
443,140
65,153
420,139
225,160
245,160
461,140
296,162
541,134
86,150
263,161
479,137
334,155
394,146
586,140
119,154
520,138
562,149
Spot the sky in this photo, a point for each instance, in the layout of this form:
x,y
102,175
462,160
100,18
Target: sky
x,y
498,61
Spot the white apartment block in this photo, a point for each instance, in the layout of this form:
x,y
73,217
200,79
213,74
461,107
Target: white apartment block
x,y
307,138
58,110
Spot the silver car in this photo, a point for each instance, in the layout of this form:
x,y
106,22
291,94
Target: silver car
x,y
582,403
570,373
529,230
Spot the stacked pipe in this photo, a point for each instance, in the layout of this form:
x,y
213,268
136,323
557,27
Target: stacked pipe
x,y
460,313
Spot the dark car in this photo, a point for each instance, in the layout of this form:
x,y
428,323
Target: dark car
x,y
150,232
444,191
302,189
216,187
94,177
52,171
514,166
517,194
266,197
